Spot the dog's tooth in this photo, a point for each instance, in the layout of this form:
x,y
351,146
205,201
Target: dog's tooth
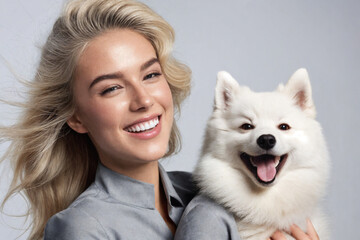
x,y
277,163
252,162
277,160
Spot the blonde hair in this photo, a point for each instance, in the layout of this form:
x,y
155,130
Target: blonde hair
x,y
52,163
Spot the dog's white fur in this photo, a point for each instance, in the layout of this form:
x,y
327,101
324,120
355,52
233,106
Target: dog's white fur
x,y
294,196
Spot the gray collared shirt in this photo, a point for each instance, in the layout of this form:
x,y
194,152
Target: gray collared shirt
x,y
119,207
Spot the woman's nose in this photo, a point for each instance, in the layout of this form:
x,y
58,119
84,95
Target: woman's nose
x,y
141,99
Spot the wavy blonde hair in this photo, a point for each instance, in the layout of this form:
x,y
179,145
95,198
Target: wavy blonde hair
x,y
52,163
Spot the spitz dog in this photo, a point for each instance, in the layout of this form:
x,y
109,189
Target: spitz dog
x,y
264,157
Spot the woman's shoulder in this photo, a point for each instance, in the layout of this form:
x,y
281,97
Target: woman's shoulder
x,y
204,219
73,223
78,221
202,206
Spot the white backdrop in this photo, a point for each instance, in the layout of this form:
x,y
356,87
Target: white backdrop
x,y
260,42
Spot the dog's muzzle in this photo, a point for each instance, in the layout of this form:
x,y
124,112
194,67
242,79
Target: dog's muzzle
x,y
264,167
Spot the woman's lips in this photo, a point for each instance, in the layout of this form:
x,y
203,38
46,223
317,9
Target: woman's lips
x,y
145,128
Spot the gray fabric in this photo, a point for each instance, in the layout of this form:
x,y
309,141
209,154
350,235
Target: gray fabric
x,y
203,219
119,207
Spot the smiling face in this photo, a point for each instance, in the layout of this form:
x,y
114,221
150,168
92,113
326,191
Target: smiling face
x,y
123,100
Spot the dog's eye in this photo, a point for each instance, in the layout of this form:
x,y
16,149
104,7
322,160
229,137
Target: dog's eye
x,y
247,126
284,127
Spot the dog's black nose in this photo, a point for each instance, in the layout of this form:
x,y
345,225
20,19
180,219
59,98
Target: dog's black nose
x,y
266,141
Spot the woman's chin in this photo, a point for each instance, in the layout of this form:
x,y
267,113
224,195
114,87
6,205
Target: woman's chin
x,y
153,154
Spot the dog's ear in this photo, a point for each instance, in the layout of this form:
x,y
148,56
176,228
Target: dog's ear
x,y
299,88
225,88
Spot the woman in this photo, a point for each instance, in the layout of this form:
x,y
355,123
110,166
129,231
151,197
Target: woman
x,y
98,119
100,111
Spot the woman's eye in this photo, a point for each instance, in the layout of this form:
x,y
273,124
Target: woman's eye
x,y
247,126
110,89
152,75
284,127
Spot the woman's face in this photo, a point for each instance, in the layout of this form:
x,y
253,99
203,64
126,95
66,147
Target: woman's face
x,y
123,100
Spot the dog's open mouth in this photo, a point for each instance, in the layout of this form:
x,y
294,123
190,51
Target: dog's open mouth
x,y
264,167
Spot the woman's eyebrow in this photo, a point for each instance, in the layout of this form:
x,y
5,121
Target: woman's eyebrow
x,y
106,76
120,75
149,63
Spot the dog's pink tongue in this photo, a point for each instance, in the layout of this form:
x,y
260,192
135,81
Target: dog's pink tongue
x,y
266,170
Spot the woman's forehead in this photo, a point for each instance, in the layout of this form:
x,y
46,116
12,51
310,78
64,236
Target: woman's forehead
x,y
114,51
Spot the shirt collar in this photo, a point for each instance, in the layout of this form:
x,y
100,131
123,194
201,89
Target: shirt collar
x,y
133,192
175,204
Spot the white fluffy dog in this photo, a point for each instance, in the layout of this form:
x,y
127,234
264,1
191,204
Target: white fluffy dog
x,y
264,157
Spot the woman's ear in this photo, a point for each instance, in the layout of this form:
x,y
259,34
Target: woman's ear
x,y
76,124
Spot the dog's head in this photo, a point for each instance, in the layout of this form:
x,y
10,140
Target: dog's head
x,y
265,135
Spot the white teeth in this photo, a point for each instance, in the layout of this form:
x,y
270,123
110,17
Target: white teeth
x,y
144,125
277,160
252,162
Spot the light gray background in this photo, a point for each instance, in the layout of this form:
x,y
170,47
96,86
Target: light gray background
x,y
261,43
